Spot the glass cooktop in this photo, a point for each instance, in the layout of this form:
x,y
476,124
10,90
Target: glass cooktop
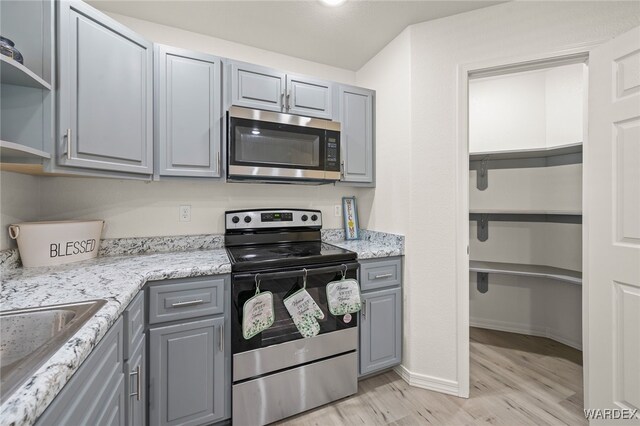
x,y
247,258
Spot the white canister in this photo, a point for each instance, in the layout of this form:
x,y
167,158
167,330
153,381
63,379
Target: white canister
x,y
55,243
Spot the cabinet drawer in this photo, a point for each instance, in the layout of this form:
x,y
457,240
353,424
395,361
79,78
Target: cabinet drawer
x,y
133,325
376,274
182,299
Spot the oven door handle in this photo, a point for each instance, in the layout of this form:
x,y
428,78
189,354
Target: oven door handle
x,y
299,273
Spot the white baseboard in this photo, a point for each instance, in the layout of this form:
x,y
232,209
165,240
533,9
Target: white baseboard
x,y
524,329
424,381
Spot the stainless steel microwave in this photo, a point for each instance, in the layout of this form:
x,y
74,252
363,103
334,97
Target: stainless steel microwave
x,y
276,147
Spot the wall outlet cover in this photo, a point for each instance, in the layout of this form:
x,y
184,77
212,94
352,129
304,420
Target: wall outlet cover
x,y
337,210
185,213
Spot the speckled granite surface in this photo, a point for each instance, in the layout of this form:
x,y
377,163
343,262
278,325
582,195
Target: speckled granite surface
x,y
116,279
124,265
372,244
139,245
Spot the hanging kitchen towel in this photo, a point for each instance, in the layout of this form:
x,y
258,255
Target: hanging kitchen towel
x,y
257,314
304,312
343,296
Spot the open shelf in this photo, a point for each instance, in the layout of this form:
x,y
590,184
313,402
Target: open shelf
x,y
17,153
13,72
566,275
482,162
574,148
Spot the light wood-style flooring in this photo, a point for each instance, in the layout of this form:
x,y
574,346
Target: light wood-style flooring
x,y
515,380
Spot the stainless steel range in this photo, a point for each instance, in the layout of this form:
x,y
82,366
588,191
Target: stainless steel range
x,y
278,373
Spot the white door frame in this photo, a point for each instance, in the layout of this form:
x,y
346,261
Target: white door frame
x,y
574,54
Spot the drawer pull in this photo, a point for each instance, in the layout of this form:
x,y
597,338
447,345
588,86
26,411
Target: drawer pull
x,y
377,277
189,303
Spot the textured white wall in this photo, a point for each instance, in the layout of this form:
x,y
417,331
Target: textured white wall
x,y
19,202
438,48
135,208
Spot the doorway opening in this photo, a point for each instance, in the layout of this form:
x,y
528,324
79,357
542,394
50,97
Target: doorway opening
x,y
526,130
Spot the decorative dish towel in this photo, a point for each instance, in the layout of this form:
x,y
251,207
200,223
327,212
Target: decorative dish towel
x,y
343,296
304,312
257,314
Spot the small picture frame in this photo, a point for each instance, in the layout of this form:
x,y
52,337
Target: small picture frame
x,y
350,214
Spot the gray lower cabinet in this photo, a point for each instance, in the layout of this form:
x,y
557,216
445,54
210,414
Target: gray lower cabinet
x,y
136,386
257,87
188,121
95,395
187,373
189,357
381,314
356,116
105,94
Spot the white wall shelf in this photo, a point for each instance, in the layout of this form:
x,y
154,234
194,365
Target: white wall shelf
x,y
483,268
13,72
523,158
18,153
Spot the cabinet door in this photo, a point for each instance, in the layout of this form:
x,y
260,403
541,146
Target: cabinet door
x,y
186,373
105,93
253,86
309,97
135,386
188,119
380,330
356,136
95,393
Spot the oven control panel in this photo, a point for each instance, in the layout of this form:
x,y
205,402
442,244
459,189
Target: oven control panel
x,y
280,218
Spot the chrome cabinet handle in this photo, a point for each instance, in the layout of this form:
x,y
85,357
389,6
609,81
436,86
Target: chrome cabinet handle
x,y
364,310
282,101
377,277
218,160
342,169
288,103
68,136
221,345
138,382
189,303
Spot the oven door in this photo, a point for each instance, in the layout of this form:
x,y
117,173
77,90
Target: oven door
x,y
288,282
268,145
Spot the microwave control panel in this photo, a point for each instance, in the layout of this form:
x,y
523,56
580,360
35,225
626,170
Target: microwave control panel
x,y
332,153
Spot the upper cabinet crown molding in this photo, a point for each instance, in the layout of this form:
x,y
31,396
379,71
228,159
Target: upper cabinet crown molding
x,y
188,118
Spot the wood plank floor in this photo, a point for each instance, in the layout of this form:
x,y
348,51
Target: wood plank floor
x,y
515,380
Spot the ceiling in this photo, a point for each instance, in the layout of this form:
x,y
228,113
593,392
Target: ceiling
x,y
346,36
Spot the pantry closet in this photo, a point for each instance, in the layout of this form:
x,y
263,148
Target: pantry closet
x,y
525,201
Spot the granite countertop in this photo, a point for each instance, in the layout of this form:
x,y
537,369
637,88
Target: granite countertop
x,y
116,279
124,266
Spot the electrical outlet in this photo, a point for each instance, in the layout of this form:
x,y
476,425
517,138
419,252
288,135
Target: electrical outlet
x,y
337,210
185,213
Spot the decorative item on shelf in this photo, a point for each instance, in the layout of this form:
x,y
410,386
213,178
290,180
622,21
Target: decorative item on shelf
x,y
7,49
350,213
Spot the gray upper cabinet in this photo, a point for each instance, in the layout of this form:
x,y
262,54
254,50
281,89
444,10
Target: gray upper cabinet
x,y
105,93
310,97
187,111
187,369
356,116
258,87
